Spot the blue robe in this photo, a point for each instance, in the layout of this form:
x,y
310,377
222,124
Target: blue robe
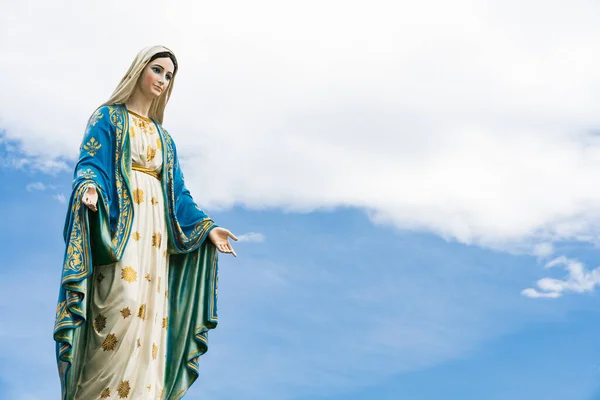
x,y
99,238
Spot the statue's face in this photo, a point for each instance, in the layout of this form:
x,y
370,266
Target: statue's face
x,y
156,77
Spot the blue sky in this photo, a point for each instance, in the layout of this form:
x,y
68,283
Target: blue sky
x,y
327,306
416,182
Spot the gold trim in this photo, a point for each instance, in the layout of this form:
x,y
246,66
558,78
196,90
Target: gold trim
x,y
139,116
151,172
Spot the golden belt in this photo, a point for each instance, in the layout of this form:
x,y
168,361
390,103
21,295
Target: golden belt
x,y
145,170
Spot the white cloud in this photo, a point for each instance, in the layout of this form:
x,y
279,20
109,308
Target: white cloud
x,y
474,122
534,294
578,280
251,237
60,198
15,156
38,186
543,250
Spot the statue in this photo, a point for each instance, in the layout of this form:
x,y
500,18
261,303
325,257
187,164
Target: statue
x,y
138,290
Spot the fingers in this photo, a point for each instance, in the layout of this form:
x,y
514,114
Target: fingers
x,y
226,248
231,235
231,250
91,204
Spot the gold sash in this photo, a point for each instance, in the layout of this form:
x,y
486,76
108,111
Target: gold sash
x,y
145,170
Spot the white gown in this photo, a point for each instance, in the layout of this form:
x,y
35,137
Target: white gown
x,y
126,348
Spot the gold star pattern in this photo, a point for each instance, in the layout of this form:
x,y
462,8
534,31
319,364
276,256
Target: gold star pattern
x,y
165,322
136,236
128,274
154,201
110,342
149,387
142,311
126,312
105,393
156,239
138,196
123,389
99,323
150,153
154,351
100,277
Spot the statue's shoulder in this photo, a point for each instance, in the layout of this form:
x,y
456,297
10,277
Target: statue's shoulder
x,y
106,114
165,133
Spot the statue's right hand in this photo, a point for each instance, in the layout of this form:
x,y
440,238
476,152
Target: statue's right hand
x,y
90,198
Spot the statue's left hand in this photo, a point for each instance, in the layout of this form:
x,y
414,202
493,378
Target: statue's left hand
x,y
220,238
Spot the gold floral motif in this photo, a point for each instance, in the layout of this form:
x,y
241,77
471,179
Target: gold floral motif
x,y
131,131
156,239
165,254
154,351
75,253
148,278
97,115
142,311
154,201
105,393
100,277
126,312
123,389
136,236
87,174
92,147
166,293
158,144
165,322
110,342
138,343
138,196
117,118
128,274
142,124
149,387
99,323
150,153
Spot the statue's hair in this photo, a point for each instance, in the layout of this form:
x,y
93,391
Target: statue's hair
x,y
127,85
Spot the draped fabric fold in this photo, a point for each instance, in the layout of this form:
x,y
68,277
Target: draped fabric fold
x,y
99,238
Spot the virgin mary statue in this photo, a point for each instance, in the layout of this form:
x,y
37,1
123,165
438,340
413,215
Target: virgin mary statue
x,y
138,290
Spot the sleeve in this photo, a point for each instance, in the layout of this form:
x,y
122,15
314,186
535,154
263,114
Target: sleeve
x,y
95,163
192,224
96,153
186,206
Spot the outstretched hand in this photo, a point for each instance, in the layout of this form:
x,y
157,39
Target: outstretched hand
x,y
90,198
220,238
